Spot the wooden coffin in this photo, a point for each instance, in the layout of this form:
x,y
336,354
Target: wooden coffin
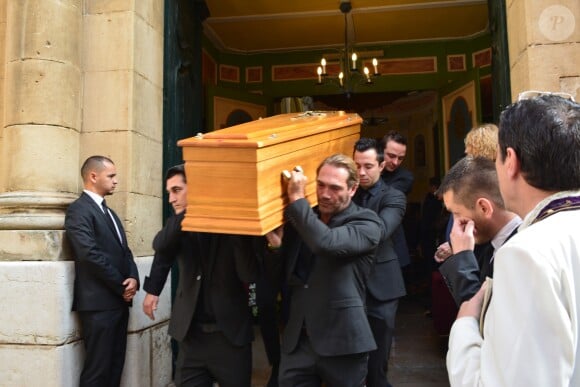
x,y
234,174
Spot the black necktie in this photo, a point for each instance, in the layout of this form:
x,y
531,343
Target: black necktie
x,y
109,219
365,198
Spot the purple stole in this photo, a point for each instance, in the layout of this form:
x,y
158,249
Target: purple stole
x,y
558,205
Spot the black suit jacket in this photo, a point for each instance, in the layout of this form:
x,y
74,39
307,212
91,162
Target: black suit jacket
x,y
465,272
401,179
330,304
386,279
102,261
229,267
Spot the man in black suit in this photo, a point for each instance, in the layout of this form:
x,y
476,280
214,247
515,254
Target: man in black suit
x,y
470,191
385,285
211,319
328,252
269,285
394,146
106,277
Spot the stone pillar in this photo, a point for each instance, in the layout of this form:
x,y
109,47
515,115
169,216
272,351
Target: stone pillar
x,y
40,147
40,139
123,119
3,169
544,45
82,77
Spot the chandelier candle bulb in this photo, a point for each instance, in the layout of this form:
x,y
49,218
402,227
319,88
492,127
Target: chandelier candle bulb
x,y
351,77
366,71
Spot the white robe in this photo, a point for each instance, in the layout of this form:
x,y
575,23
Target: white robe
x,y
532,324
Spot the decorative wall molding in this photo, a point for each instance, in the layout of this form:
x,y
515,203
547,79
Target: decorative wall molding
x,y
456,63
481,58
396,66
229,73
254,74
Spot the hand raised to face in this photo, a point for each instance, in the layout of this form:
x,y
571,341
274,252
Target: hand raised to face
x,y
461,235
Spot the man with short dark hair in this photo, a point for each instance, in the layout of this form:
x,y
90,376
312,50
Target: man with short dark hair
x,y
106,277
530,329
329,253
211,319
394,146
471,193
385,284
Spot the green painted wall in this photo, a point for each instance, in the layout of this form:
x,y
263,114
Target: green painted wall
x,y
434,81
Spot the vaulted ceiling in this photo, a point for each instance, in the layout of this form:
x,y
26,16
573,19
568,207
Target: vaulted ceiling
x,y
252,26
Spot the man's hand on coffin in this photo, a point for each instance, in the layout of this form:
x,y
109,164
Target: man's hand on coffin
x,y
297,185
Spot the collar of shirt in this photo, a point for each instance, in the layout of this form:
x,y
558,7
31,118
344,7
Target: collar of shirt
x,y
375,188
531,216
505,232
96,197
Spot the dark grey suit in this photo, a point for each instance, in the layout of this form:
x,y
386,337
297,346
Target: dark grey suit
x,y
465,272
385,285
211,303
401,179
102,263
327,323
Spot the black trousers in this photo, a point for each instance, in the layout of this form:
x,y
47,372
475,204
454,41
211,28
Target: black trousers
x,y
208,357
105,339
266,300
381,317
305,368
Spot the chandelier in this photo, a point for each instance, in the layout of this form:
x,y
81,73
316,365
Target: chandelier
x,y
350,70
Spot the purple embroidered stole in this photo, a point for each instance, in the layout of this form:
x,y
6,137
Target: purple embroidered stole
x,y
558,205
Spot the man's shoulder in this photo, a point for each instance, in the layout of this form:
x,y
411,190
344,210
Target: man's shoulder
x,y
83,201
355,212
545,239
390,191
387,194
401,179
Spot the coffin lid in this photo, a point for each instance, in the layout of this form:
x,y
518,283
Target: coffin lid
x,y
273,130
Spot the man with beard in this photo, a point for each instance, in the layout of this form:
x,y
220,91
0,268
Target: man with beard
x,y
471,193
328,252
527,335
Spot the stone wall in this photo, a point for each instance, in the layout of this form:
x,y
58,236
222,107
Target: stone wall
x,y
544,45
2,70
77,78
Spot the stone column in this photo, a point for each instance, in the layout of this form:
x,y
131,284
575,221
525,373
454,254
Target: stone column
x,y
40,139
82,77
2,71
39,157
544,45
122,118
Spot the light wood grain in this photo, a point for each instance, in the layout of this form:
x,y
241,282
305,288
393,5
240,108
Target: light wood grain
x,y
234,174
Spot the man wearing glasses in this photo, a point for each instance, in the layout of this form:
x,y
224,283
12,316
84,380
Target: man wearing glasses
x,y
529,333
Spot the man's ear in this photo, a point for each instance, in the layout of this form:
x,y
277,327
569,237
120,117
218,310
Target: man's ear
x,y
512,163
484,206
382,165
353,190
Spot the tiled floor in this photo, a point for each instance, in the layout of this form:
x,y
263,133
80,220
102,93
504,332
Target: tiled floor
x,y
417,357
418,354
